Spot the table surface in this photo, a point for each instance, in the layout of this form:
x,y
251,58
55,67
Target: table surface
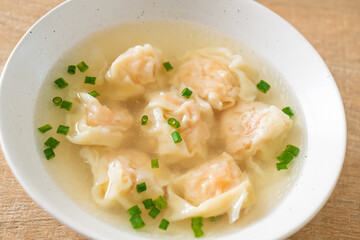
x,y
331,26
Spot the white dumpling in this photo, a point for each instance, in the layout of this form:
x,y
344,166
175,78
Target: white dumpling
x,y
116,174
252,128
216,75
95,124
216,187
195,117
133,71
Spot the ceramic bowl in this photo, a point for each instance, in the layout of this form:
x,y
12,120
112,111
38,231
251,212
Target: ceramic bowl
x,y
262,31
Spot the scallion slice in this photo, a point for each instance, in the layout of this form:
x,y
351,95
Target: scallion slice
x,y
57,101
281,165
198,232
60,82
154,163
136,221
215,218
196,224
52,142
197,221
148,203
90,80
173,122
288,111
144,120
71,69
66,105
293,150
141,187
164,224
82,66
176,136
62,129
168,67
160,202
285,157
94,93
154,212
133,211
49,153
263,86
186,93
45,128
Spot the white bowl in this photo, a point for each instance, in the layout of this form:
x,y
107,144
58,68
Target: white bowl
x,y
252,24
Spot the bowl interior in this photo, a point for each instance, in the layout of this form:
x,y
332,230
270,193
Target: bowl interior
x,y
259,29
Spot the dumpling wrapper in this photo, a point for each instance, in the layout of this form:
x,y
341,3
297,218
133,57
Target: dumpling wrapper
x,y
195,117
252,128
116,174
217,75
133,71
214,188
95,124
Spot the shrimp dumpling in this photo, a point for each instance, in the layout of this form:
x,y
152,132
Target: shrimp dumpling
x,y
216,75
133,71
95,124
195,117
253,127
116,174
215,187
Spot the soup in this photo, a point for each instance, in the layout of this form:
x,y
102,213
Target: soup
x,y
166,118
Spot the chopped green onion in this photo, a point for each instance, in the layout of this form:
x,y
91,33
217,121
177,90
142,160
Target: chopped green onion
x,y
213,219
294,151
160,202
176,136
281,165
52,142
57,101
141,187
82,66
45,128
168,67
285,157
263,86
62,129
288,111
198,232
154,212
60,82
173,122
144,119
49,153
94,93
154,163
164,224
133,211
186,93
71,69
197,221
90,80
66,105
196,224
148,203
137,222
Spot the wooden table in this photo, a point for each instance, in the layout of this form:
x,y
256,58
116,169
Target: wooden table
x,y
331,26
